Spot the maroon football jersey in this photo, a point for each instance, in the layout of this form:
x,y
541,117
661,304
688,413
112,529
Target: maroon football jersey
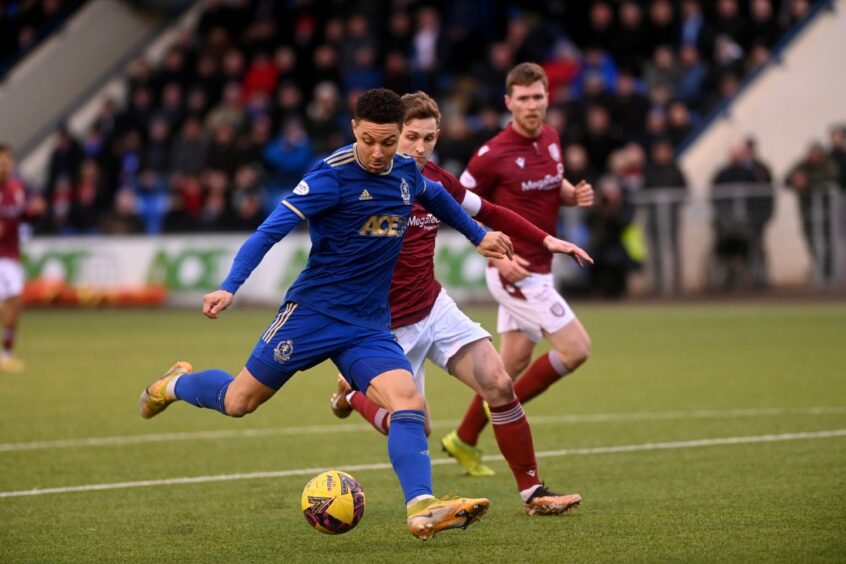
x,y
523,175
12,212
414,288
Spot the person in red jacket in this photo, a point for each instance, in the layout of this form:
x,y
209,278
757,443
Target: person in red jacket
x,y
428,324
14,210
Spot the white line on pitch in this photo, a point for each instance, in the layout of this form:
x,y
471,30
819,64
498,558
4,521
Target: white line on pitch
x,y
347,428
437,461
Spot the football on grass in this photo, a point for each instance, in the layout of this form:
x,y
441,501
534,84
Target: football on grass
x,y
333,502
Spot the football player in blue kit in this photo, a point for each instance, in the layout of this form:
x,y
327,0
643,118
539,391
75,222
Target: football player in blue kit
x,y
357,202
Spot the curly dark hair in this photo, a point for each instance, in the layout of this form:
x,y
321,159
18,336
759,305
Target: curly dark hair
x,y
379,105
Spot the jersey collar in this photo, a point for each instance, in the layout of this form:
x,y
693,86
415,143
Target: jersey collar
x,y
359,163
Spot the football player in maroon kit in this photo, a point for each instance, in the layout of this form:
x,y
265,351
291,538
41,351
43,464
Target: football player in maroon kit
x,y
521,169
428,324
14,209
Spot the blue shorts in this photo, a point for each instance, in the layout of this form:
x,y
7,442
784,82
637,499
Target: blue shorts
x,y
299,338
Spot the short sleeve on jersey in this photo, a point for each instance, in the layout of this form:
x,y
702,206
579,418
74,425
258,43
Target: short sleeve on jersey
x,y
316,192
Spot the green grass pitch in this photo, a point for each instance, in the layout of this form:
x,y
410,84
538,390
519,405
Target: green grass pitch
x,y
712,432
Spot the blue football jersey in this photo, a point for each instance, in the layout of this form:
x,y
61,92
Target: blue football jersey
x,y
357,221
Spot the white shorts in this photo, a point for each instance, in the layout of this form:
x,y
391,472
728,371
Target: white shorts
x,y
11,278
542,310
438,337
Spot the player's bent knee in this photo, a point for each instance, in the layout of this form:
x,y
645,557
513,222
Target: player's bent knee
x,y
240,405
498,388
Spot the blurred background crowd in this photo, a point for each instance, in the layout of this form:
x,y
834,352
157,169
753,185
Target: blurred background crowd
x,y
242,105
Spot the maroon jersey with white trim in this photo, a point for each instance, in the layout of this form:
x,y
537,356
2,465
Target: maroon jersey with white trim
x,y
414,288
12,212
523,175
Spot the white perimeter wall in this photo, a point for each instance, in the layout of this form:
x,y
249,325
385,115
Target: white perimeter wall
x,y
790,105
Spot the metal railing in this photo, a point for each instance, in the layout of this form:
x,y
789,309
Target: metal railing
x,y
741,212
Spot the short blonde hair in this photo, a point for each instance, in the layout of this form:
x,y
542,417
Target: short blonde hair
x,y
526,74
420,105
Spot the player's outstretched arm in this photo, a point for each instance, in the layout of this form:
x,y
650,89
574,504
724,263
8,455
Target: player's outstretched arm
x,y
579,195
249,256
556,245
438,201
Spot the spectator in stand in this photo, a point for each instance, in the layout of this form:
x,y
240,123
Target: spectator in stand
x,y
64,159
398,37
608,220
123,219
491,76
600,28
428,49
663,28
89,201
214,215
177,219
743,205
172,107
324,67
456,144
358,36
289,103
362,73
730,22
157,147
397,76
222,153
679,124
662,69
577,166
837,152
233,66
261,75
229,112
812,178
323,119
630,45
694,29
763,27
247,201
151,194
629,107
689,88
288,157
794,11
188,152
662,173
600,139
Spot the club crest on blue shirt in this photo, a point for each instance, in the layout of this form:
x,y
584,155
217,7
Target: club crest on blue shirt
x,y
301,189
405,192
283,351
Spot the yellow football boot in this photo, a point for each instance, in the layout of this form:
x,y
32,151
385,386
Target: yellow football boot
x,y
469,457
155,399
431,516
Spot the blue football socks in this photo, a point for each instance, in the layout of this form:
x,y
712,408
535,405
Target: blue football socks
x,y
408,450
204,389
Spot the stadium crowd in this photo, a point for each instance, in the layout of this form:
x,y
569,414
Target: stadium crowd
x,y
240,107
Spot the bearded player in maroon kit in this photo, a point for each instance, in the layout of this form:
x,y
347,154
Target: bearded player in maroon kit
x,y
14,209
521,169
428,324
